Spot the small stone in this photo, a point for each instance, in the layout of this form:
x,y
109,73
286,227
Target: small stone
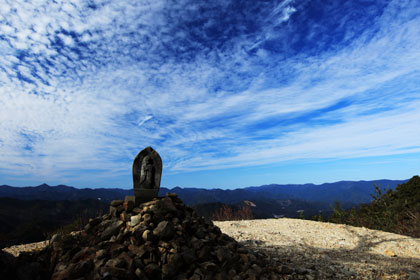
x,y
221,276
101,254
119,209
137,251
242,250
80,269
195,277
244,258
99,263
111,230
128,260
223,254
128,203
285,270
138,262
200,233
152,270
209,266
196,243
163,230
116,249
204,253
113,211
390,253
188,256
128,206
140,274
116,203
252,258
136,210
168,271
251,275
56,240
174,259
135,220
124,216
139,229
94,222
116,262
115,272
166,205
82,254
303,271
87,227
105,223
147,217
256,268
309,277
147,235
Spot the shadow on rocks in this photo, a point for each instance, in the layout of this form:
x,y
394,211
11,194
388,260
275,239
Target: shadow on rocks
x,y
307,262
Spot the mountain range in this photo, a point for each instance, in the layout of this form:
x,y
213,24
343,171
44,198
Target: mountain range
x,y
352,192
28,214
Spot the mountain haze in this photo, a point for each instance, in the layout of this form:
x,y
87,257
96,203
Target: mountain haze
x,y
353,192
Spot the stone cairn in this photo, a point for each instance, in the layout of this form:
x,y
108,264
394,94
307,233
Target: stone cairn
x,y
156,239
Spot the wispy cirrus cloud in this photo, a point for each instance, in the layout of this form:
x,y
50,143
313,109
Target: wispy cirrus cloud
x,y
85,85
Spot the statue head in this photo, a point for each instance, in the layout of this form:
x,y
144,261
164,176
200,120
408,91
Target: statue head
x,y
147,160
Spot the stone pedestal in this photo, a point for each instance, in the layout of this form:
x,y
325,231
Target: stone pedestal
x,y
144,195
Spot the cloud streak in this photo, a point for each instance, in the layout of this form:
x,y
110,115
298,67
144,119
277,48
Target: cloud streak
x,y
85,85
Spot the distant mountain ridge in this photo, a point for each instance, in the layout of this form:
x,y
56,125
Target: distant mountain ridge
x,y
61,192
353,192
27,213
344,191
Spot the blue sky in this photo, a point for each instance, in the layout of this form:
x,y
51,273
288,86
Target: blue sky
x,y
230,93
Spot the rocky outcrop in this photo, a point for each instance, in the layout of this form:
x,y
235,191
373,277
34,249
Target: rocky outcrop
x,y
160,239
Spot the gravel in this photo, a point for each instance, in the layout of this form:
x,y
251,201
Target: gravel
x,y
330,251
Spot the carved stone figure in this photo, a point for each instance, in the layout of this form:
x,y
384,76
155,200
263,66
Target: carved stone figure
x,y
147,175
147,172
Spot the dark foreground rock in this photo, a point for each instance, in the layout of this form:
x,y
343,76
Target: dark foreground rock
x,y
160,239
28,266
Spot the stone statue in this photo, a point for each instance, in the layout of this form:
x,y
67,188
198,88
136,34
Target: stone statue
x,y
147,174
147,171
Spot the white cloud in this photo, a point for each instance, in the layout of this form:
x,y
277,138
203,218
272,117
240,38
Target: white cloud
x,y
145,120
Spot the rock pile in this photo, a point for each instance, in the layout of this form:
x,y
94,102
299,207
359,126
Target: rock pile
x,y
160,239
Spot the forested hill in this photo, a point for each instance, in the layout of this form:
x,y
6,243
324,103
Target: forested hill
x,y
353,192
396,210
